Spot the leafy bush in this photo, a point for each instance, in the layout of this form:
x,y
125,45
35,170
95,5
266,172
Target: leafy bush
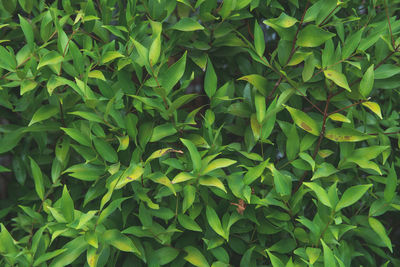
x,y
234,133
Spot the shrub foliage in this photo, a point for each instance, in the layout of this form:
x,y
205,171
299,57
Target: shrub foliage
x,y
205,133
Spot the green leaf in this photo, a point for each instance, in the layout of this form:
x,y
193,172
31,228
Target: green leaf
x,y
259,82
110,55
339,117
324,170
195,257
246,259
7,60
313,36
259,101
132,173
189,193
38,178
346,135
374,107
77,136
115,238
96,74
162,179
67,205
351,43
28,31
27,86
210,80
214,222
187,25
188,223
313,254
283,21
174,73
352,195
110,209
282,182
43,113
259,41
377,226
386,71
105,150
212,181
154,51
391,184
304,121
162,131
85,172
338,78
165,255
48,256
329,259
50,58
73,250
275,261
218,164
254,172
320,193
194,154
367,81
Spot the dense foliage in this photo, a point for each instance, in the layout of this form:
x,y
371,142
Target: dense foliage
x,y
199,132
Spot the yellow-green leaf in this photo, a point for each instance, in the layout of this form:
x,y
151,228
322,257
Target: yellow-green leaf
x,y
96,74
212,181
338,78
339,117
111,55
377,226
259,82
44,113
195,257
346,135
374,107
218,164
304,121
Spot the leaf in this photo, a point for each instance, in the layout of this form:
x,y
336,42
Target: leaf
x,y
50,58
378,228
43,113
324,170
7,60
195,257
351,43
48,256
346,135
210,80
105,150
212,181
110,55
303,121
214,222
259,82
246,259
282,182
374,107
162,131
132,173
67,205
183,177
165,255
110,209
352,195
386,71
218,164
329,259
275,261
187,25
188,223
85,172
320,193
283,21
37,178
77,136
312,36
391,184
174,73
194,154
115,238
163,180
154,51
96,74
259,101
189,193
313,254
27,86
339,117
254,172
367,81
73,250
338,78
28,31
259,41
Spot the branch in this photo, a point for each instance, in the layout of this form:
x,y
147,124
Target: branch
x,y
297,32
390,26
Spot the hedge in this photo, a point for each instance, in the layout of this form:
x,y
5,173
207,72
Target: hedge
x,y
206,133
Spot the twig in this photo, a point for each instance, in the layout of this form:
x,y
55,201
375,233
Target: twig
x,y
297,32
325,19
349,106
390,26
